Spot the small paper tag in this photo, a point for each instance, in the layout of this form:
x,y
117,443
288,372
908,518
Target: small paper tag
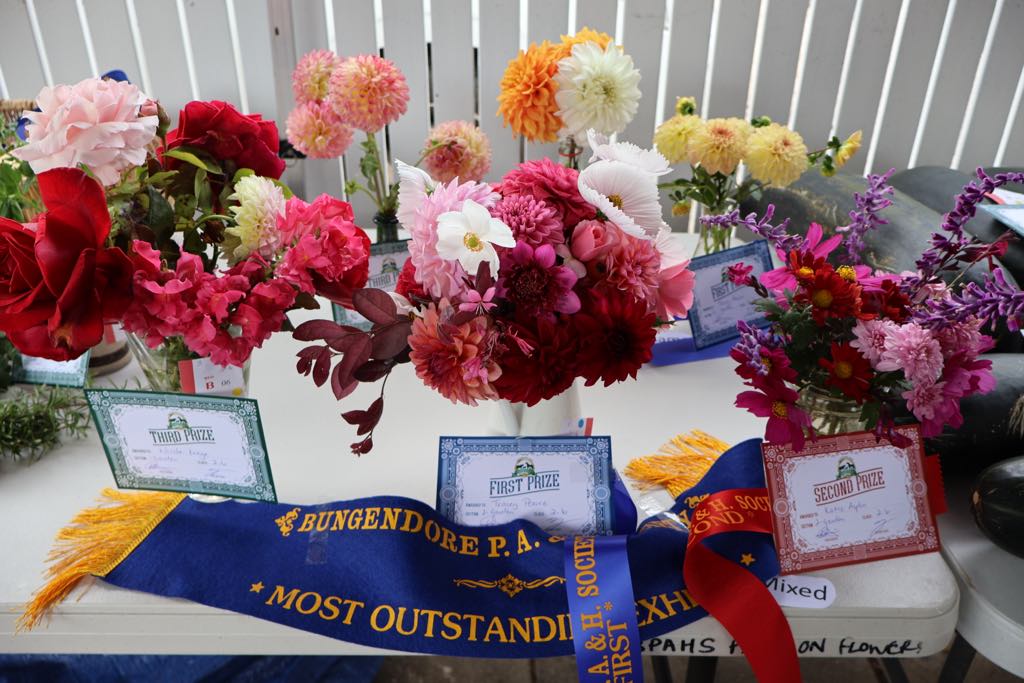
x,y
203,376
801,590
176,442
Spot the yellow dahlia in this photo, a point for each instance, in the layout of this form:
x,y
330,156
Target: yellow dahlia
x,y
526,102
718,145
260,202
672,138
848,149
776,155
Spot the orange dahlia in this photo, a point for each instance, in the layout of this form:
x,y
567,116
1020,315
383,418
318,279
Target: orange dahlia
x,y
527,98
584,35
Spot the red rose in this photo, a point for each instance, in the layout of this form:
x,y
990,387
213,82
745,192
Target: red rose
x,y
228,135
58,283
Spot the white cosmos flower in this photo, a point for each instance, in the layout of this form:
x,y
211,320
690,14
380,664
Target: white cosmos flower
x,y
469,236
414,185
597,89
626,195
650,160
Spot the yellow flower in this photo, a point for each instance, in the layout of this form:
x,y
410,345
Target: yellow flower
x,y
673,136
686,105
848,149
718,145
584,35
526,101
680,208
776,155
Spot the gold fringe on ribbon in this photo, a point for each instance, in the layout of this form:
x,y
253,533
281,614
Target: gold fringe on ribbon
x,y
679,464
97,540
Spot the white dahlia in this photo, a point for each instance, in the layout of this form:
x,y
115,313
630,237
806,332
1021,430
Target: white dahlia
x,y
626,194
260,202
597,88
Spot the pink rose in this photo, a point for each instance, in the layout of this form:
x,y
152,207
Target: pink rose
x,y
592,240
95,122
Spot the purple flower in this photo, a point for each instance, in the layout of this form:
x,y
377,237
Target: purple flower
x,y
752,340
865,217
993,299
776,234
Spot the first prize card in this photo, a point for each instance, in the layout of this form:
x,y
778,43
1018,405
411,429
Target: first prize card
x,y
717,302
179,442
562,484
847,499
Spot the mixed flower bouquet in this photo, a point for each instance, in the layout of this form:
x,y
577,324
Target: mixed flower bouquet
x,y
513,291
714,149
185,236
885,342
561,90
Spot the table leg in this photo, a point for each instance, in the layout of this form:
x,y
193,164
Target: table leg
x,y
958,661
701,669
894,670
662,672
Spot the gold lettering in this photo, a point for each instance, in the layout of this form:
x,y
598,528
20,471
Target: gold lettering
x,y
390,614
400,619
316,605
279,596
411,515
497,543
549,622
451,621
680,598
371,518
323,520
430,614
355,518
307,522
524,543
517,627
470,545
474,621
448,540
495,627
339,520
352,606
330,610
391,516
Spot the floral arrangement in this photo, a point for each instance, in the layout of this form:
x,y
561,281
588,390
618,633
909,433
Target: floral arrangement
x,y
888,343
185,236
714,150
514,291
562,90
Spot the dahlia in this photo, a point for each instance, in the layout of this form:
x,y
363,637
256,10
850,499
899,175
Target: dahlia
x,y
526,101
96,123
532,221
546,370
461,365
718,145
776,155
555,184
848,149
619,332
440,277
315,130
457,149
368,92
912,349
260,202
672,138
312,75
535,285
584,35
848,371
597,88
626,194
633,267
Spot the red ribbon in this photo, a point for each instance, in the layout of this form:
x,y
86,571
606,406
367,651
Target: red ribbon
x,y
733,595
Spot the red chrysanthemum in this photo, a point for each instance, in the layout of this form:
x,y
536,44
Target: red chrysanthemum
x,y
619,333
848,371
773,362
889,303
830,296
545,370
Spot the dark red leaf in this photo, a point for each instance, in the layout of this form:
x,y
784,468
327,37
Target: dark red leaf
x,y
392,339
375,305
306,357
339,385
354,417
307,301
362,447
376,409
462,317
356,355
312,330
373,370
346,340
323,366
403,357
304,366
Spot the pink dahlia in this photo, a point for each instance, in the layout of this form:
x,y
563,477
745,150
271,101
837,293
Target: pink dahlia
x,y
534,284
457,362
531,220
869,338
441,278
553,183
315,130
457,149
633,267
96,123
368,92
912,349
312,75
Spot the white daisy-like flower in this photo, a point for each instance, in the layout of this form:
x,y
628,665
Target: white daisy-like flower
x,y
414,185
626,195
597,89
671,249
469,236
260,202
650,160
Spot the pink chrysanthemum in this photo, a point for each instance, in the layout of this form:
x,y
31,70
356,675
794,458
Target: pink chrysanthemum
x,y
933,406
316,131
457,149
368,92
633,267
554,184
312,75
869,338
532,221
461,368
441,278
912,349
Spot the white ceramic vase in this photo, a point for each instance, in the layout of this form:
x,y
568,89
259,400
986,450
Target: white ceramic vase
x,y
554,416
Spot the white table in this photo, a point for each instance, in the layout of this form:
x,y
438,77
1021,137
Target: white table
x,y
992,603
899,607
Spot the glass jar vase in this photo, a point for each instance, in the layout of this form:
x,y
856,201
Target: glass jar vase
x,y
830,415
161,366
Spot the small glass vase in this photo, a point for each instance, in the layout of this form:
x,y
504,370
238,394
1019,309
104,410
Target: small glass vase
x,y
830,415
715,238
387,227
160,364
